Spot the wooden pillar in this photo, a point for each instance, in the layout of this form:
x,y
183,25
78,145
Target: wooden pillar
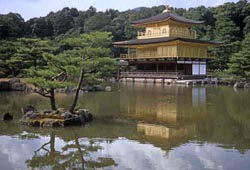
x,y
199,67
118,73
176,67
157,67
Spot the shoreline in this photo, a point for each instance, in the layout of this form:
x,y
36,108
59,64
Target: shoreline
x,y
19,84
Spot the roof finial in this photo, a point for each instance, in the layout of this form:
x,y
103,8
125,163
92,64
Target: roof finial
x,y
168,9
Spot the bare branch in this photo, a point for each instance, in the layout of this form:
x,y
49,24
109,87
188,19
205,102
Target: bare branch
x,y
44,94
62,75
43,147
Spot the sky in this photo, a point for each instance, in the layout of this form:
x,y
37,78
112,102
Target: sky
x,y
36,8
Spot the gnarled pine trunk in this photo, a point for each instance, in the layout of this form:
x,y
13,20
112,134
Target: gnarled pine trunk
x,y
72,107
52,99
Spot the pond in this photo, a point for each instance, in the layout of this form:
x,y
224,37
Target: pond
x,y
138,127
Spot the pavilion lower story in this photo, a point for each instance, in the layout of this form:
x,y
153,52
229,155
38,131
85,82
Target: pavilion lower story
x,y
166,69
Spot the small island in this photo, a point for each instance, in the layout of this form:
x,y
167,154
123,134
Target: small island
x,y
57,118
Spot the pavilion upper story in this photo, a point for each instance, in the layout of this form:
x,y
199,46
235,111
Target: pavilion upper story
x,y
167,48
166,24
166,35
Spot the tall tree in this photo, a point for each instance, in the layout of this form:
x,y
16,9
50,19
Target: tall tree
x,y
226,32
42,28
11,26
247,25
240,61
51,76
22,54
88,54
7,51
95,60
98,22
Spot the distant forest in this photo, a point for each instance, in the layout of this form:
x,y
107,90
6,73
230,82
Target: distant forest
x,y
228,23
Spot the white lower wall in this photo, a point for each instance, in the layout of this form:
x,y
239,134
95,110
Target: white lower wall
x,y
196,69
203,69
199,69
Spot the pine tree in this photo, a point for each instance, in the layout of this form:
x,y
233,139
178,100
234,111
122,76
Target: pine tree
x,y
240,61
86,57
7,51
95,61
226,32
15,56
51,76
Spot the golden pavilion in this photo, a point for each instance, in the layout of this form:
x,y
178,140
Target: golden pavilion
x,y
167,49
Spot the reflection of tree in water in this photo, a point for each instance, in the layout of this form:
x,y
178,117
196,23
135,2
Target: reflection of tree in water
x,y
75,154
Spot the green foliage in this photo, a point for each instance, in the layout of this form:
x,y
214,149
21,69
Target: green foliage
x,y
62,64
21,54
240,61
226,32
7,50
11,26
52,75
64,21
98,22
247,24
106,67
222,75
227,23
46,84
40,27
92,52
230,19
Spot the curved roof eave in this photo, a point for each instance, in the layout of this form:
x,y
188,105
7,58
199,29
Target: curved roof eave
x,y
164,17
161,40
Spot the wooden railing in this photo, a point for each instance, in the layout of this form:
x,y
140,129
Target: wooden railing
x,y
144,35
184,34
173,33
134,56
160,75
140,56
211,55
128,56
137,74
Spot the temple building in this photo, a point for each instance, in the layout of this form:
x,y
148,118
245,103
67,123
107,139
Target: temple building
x,y
167,49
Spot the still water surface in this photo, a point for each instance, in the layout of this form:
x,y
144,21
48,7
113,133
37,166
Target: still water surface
x,y
136,127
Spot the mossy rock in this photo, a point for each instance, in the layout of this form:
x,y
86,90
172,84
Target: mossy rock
x,y
56,119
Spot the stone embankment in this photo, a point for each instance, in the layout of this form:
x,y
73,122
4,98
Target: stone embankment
x,y
241,85
210,81
14,84
95,88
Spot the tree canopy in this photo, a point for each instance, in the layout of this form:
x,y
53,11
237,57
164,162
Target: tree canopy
x,y
228,23
88,54
240,61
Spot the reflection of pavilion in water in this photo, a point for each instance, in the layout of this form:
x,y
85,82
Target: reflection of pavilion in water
x,y
166,132
170,104
166,112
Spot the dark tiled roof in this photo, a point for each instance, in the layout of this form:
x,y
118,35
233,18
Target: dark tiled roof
x,y
165,16
160,40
